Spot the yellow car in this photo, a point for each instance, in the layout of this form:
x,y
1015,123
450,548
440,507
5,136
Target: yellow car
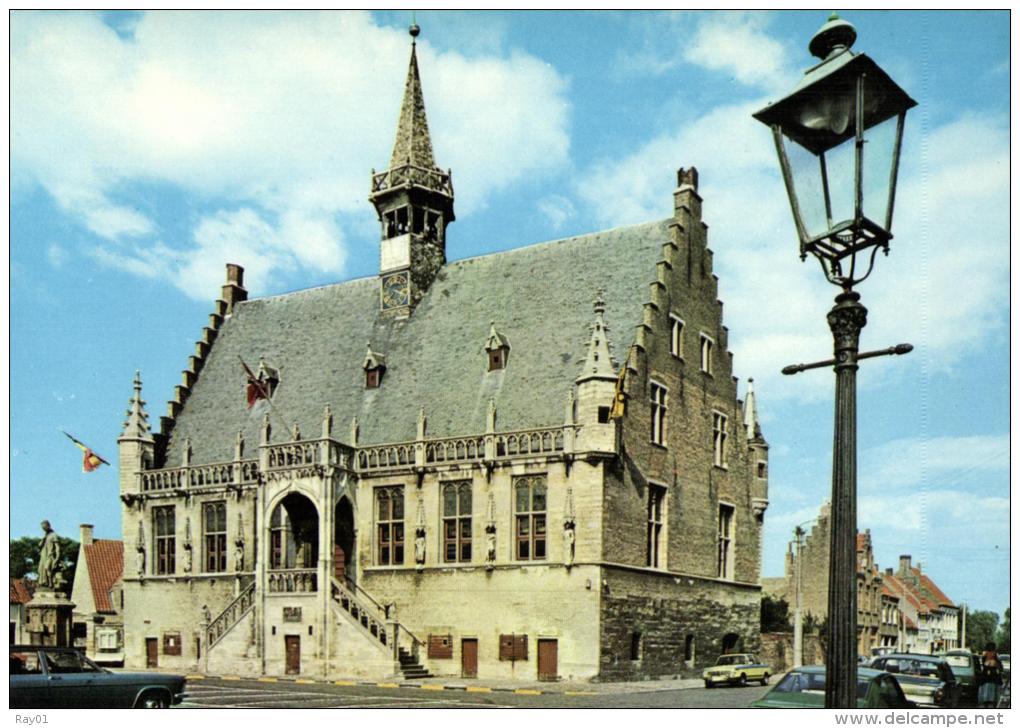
x,y
738,669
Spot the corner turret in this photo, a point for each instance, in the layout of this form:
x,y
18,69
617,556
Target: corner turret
x,y
136,445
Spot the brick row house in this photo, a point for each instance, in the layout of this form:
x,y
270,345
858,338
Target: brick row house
x,y
904,610
530,464
21,594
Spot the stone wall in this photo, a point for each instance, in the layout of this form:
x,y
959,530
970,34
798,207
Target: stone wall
x,y
777,650
664,610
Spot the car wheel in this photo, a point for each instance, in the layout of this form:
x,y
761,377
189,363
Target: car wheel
x,y
765,679
742,682
709,685
154,700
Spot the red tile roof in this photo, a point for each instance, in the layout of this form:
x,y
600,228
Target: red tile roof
x,y
105,562
903,589
937,593
909,623
21,591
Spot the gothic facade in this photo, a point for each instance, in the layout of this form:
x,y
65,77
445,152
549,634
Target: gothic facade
x,y
526,465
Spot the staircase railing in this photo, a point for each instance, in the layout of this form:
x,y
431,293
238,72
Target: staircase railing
x,y
372,619
231,615
375,619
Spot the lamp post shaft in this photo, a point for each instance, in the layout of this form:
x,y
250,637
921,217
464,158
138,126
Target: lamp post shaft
x,y
846,319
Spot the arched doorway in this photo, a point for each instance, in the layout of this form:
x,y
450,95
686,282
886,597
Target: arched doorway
x,y
343,541
731,643
293,544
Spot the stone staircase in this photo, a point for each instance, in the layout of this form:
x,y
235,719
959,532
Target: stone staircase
x,y
374,620
233,613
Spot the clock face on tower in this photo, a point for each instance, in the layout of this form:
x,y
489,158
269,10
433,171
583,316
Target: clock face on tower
x,y
396,290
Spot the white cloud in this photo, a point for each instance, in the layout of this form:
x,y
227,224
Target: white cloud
x,y
557,210
907,462
282,114
56,255
943,287
739,44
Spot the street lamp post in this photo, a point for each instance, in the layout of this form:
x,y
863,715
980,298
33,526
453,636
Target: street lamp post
x,y
838,136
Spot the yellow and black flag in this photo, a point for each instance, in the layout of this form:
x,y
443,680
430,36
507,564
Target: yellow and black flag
x,y
91,461
619,408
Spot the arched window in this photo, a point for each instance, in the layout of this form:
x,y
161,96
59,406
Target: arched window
x,y
457,522
529,516
389,519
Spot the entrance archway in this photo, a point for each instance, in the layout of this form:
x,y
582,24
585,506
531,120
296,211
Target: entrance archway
x,y
294,534
343,542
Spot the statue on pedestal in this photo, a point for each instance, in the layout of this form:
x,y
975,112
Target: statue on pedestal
x,y
49,558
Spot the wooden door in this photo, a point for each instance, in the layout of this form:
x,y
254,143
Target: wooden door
x,y
293,645
151,652
469,658
547,669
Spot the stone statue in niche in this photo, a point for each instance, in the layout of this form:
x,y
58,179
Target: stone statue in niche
x,y
490,545
569,538
187,558
419,547
239,556
206,614
140,560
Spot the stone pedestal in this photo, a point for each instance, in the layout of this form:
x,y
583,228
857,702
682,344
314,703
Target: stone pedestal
x,y
49,618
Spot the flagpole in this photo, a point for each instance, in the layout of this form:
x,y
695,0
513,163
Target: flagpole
x,y
280,414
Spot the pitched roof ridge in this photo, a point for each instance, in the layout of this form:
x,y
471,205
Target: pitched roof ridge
x,y
554,241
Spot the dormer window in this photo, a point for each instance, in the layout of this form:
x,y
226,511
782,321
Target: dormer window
x,y
374,366
497,347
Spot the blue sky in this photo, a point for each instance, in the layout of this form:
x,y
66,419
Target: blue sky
x,y
149,149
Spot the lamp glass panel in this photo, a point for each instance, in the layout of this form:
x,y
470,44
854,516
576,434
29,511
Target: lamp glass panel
x,y
879,149
806,168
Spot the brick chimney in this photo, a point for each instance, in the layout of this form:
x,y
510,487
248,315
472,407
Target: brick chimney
x,y
86,534
233,290
904,563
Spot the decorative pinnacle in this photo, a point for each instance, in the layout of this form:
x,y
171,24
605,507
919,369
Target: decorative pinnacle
x,y
836,35
600,301
414,30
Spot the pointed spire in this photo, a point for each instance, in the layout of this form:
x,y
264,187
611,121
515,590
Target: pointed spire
x,y
598,364
751,413
413,144
136,426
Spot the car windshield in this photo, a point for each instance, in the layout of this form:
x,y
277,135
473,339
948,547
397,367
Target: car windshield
x,y
959,660
910,666
812,682
68,662
731,660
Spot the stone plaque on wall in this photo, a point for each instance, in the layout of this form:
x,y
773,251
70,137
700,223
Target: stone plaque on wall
x,y
292,614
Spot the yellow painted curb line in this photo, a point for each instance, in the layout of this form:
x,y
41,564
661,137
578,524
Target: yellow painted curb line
x,y
345,683
194,677
305,682
525,691
230,677
387,685
471,689
432,687
267,679
577,692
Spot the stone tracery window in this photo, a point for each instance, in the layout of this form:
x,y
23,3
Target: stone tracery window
x,y
530,518
457,522
214,526
164,532
389,519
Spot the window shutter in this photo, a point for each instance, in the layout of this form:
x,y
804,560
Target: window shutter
x,y
440,646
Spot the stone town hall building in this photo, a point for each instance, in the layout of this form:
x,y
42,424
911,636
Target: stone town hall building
x,y
440,480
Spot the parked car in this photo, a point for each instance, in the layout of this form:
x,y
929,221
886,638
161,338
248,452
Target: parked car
x,y
804,687
62,677
965,666
737,669
926,679
1004,659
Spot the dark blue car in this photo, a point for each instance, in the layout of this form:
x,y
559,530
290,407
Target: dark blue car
x,y
62,677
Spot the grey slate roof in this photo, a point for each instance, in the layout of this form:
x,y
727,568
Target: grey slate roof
x,y
540,297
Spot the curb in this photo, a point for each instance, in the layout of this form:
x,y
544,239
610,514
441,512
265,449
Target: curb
x,y
395,685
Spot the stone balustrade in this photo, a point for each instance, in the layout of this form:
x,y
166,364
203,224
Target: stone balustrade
x,y
293,580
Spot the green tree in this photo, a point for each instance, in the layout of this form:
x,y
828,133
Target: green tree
x,y
24,558
775,615
981,626
1002,637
